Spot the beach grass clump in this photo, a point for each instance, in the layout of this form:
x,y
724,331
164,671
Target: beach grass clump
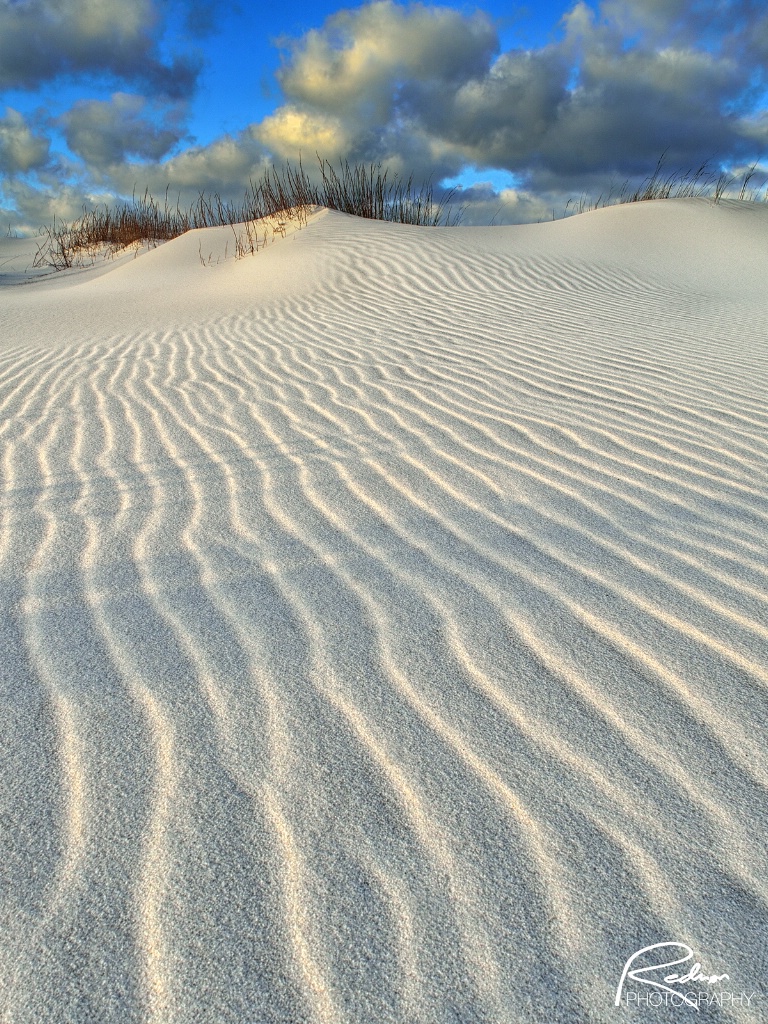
x,y
700,183
280,195
107,230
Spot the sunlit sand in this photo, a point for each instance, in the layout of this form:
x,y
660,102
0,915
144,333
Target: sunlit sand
x,y
384,622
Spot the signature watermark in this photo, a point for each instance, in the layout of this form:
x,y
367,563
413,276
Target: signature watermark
x,y
650,967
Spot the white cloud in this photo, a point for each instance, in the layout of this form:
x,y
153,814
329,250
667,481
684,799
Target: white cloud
x,y
293,132
356,61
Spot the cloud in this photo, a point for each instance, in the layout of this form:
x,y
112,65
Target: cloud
x,y
202,17
104,132
628,108
224,166
292,132
347,84
26,206
501,117
354,64
21,150
482,204
41,40
426,90
622,85
679,22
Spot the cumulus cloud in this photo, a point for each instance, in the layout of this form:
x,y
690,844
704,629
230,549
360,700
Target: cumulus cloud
x,y
293,131
426,89
224,166
27,206
381,79
626,108
43,39
355,63
347,84
21,150
681,22
501,117
483,204
105,132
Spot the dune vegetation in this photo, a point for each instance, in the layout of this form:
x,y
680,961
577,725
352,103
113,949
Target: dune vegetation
x,y
287,193
701,183
364,190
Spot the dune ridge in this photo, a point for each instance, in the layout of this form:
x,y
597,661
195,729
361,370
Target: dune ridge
x,y
384,622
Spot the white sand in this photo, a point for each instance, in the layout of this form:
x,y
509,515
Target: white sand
x,y
384,622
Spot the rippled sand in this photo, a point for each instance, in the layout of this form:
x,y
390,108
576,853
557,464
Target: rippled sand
x,y
384,623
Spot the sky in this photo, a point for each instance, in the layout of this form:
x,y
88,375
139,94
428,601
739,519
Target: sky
x,y
522,106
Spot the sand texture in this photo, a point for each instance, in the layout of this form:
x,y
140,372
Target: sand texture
x,y
383,622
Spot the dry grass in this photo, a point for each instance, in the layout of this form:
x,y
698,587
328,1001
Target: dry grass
x,y
663,184
252,235
288,194
279,196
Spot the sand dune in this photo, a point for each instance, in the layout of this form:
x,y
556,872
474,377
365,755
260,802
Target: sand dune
x,y
385,622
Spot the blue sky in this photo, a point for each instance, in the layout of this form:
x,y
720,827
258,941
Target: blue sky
x,y
240,53
539,102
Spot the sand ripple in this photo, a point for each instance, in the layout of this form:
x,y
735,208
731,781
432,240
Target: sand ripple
x,y
393,649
